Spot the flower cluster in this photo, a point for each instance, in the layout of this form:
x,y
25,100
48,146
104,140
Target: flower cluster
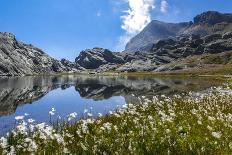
x,y
191,124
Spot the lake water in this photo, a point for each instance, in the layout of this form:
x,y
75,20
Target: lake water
x,y
36,96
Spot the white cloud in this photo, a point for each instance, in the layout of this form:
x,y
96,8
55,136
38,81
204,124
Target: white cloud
x,y
135,19
137,16
163,6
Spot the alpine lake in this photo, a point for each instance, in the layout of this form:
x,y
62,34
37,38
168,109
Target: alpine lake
x,y
34,96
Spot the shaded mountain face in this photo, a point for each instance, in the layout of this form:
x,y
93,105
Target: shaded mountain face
x,y
17,58
204,24
154,31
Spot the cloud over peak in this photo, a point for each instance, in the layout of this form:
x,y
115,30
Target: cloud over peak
x,y
137,16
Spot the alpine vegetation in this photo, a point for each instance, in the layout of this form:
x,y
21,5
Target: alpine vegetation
x,y
193,123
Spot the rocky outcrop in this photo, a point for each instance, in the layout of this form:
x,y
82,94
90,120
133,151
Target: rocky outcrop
x,y
212,17
17,59
170,50
70,66
200,63
153,32
207,23
93,58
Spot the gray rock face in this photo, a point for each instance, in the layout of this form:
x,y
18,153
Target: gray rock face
x,y
71,66
207,23
137,65
212,17
189,46
154,32
93,58
17,59
227,35
169,50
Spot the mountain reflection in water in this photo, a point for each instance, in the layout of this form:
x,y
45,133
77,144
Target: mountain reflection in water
x,y
18,91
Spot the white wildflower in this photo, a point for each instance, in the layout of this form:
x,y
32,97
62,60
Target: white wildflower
x,y
66,151
31,120
86,110
90,115
3,142
99,114
51,113
216,134
19,117
72,116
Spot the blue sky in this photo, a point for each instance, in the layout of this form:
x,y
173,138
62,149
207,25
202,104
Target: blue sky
x,y
63,28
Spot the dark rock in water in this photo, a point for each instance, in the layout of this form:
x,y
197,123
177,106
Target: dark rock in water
x,y
93,58
17,59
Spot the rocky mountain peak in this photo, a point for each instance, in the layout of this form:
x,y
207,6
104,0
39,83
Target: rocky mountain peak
x,y
7,34
212,17
204,24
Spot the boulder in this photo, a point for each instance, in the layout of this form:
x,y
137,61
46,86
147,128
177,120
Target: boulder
x,y
137,66
219,46
93,58
165,42
227,35
71,65
210,38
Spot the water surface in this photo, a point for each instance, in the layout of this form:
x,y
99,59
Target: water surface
x,y
36,96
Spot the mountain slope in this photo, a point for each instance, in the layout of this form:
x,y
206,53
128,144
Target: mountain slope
x,y
161,57
154,31
204,24
17,59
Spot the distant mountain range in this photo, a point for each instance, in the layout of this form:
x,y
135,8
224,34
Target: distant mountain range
x,y
205,43
204,24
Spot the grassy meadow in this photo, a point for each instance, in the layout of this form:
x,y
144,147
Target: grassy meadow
x,y
194,123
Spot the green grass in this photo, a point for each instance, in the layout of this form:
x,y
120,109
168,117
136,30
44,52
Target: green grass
x,y
189,124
